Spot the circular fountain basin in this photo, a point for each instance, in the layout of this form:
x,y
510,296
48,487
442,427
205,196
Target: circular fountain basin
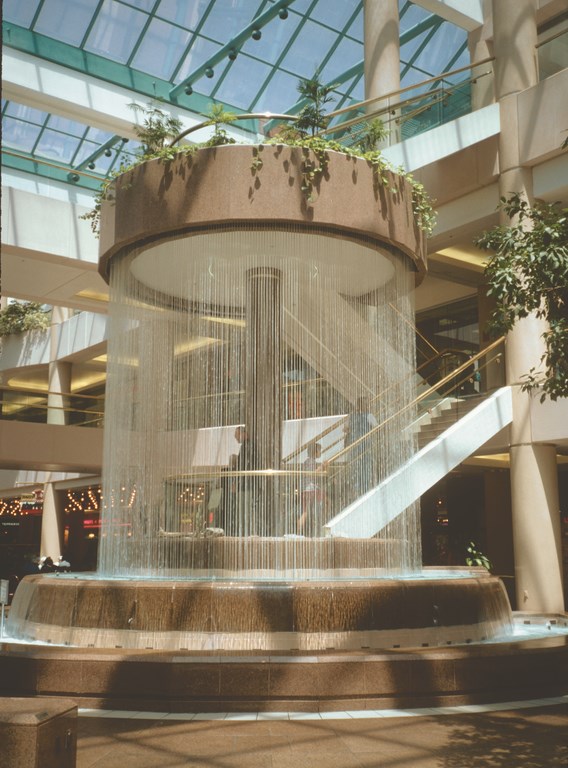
x,y
260,615
329,645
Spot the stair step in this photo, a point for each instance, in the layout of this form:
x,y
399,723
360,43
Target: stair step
x,y
441,422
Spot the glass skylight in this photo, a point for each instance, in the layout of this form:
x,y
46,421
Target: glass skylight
x,y
170,40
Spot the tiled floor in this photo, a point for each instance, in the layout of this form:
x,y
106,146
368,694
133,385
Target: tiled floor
x,y
511,735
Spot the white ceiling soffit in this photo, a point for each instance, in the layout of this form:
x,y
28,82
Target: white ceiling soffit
x,y
467,14
53,88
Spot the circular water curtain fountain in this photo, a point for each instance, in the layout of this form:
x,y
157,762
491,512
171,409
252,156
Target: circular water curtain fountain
x,y
261,374
260,351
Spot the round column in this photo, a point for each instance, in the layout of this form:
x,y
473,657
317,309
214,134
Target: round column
x,y
534,478
51,525
59,373
382,55
483,86
514,39
263,383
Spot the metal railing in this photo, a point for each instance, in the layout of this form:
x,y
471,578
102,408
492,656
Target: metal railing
x,y
43,407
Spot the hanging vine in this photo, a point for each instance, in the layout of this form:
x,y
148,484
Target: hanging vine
x,y
157,131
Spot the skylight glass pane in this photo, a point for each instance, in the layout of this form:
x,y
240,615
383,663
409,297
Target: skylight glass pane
x,y
280,94
413,16
115,32
65,125
434,57
181,12
357,89
228,17
199,52
86,149
301,6
308,50
275,37
19,12
57,145
346,51
26,113
161,49
245,78
65,21
18,135
143,5
335,15
356,29
98,136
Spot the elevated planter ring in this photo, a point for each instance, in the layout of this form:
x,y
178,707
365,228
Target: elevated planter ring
x,y
236,186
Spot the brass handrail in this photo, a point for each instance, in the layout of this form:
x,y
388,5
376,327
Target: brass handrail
x,y
441,76
234,119
445,380
552,37
365,117
46,392
221,472
414,327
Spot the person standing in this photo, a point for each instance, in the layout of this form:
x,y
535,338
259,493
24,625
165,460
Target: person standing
x,y
360,457
312,495
246,486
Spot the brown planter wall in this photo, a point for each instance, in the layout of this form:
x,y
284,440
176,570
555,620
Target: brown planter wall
x,y
218,186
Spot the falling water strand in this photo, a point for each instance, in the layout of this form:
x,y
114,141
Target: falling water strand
x,y
294,336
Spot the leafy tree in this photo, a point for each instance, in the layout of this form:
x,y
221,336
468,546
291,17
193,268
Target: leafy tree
x,y
23,316
312,116
528,273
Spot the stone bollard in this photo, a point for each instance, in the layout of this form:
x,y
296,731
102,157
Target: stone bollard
x,y
38,733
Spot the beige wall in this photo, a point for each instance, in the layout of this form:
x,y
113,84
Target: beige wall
x,y
50,447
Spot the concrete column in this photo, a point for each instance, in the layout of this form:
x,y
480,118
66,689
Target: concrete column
x,y
514,39
481,47
59,386
51,525
534,475
382,56
263,385
263,381
59,373
152,418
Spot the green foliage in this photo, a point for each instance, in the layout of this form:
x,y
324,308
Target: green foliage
x,y
476,557
312,117
156,130
218,117
23,316
313,172
155,133
528,273
373,133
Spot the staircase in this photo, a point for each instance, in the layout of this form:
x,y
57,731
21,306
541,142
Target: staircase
x,y
450,412
442,449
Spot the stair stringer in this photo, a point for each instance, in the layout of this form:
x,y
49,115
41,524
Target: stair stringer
x,y
371,512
